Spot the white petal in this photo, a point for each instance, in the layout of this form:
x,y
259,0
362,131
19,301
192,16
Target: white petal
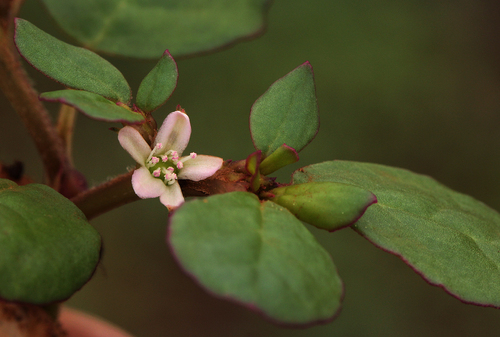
x,y
172,197
175,131
131,140
145,185
200,168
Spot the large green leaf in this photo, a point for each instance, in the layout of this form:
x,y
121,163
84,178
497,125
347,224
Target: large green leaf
x,y
158,85
145,28
94,106
48,250
287,113
449,238
75,67
326,205
257,254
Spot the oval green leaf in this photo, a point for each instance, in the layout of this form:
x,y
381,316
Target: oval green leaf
x,y
287,113
74,67
94,106
158,85
49,250
145,28
326,205
257,254
449,238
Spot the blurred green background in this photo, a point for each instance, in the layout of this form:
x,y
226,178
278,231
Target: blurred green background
x,y
412,84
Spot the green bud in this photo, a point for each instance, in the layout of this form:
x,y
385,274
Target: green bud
x,y
326,205
284,155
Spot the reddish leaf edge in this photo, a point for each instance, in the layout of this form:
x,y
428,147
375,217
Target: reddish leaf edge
x,y
63,101
250,306
261,30
64,299
372,202
421,274
251,36
166,52
305,64
53,79
101,248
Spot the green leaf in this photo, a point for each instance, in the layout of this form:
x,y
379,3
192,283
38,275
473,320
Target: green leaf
x,y
326,205
449,238
49,250
283,156
158,85
94,106
74,67
287,113
145,28
257,254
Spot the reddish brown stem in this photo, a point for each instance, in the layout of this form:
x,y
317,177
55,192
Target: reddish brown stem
x,y
119,191
107,196
16,86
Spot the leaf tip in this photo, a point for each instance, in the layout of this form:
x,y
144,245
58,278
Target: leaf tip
x,y
306,64
17,22
372,199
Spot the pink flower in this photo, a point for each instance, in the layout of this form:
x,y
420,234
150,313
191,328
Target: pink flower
x,y
162,166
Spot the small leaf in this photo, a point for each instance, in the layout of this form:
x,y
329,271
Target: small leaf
x,y
257,254
74,67
252,166
94,106
287,113
449,238
49,250
283,156
158,85
144,28
326,205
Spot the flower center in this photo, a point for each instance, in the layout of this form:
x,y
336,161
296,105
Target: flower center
x,y
167,165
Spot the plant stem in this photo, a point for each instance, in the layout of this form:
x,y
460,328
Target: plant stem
x,y
16,86
107,196
65,127
118,191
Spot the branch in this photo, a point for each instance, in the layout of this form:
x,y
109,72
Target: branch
x,y
118,191
16,86
107,196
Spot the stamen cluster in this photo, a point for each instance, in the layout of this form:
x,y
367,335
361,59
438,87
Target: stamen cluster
x,y
166,166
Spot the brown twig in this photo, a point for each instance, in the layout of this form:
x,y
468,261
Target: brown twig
x,y
107,196
17,87
118,191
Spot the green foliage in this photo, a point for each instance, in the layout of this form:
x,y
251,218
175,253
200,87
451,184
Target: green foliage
x,y
451,239
252,165
145,28
158,85
284,155
287,113
238,247
72,66
326,205
49,250
257,254
94,106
